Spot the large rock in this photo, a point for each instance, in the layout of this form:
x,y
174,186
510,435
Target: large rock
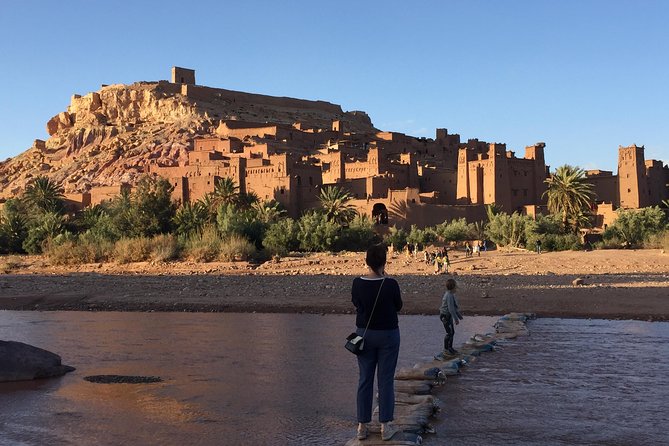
x,y
62,120
21,362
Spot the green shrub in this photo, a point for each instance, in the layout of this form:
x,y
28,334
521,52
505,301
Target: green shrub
x,y
552,233
659,240
129,250
165,247
421,237
316,233
508,230
13,227
68,249
244,222
104,230
612,242
559,242
397,238
204,246
191,218
358,235
236,247
147,211
456,230
281,237
633,227
49,226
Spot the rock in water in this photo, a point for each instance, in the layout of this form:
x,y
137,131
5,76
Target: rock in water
x,y
21,362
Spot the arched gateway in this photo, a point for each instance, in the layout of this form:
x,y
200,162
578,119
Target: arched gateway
x,y
380,214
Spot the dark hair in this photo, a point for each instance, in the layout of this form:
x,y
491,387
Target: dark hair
x,y
376,257
450,284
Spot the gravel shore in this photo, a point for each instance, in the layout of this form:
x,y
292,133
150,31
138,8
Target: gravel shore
x,y
617,284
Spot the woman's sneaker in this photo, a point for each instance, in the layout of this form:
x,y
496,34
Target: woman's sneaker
x,y
388,430
362,431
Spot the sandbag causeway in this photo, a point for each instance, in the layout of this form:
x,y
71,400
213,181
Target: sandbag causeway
x,y
415,406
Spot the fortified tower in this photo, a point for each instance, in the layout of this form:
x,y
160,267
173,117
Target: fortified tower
x,y
536,153
183,76
632,177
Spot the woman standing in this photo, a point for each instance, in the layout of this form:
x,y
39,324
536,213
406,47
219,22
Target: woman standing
x,y
377,300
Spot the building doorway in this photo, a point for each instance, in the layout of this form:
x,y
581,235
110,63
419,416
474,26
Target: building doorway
x,y
380,214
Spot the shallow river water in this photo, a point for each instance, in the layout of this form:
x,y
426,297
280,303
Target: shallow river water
x,y
285,379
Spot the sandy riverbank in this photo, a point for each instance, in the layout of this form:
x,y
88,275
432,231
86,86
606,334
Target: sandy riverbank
x,y
618,284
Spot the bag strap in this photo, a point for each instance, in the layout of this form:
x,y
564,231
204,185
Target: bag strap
x,y
374,307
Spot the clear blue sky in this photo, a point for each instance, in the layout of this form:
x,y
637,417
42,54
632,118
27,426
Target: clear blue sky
x,y
583,76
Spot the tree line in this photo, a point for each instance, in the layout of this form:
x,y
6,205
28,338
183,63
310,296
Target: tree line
x,y
226,224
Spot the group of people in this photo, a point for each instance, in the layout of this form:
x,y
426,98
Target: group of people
x,y
377,299
438,259
479,245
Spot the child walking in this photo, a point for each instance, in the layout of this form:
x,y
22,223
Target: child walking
x,y
449,313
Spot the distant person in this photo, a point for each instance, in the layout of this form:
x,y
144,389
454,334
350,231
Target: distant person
x,y
538,246
447,261
477,249
449,314
468,249
485,245
437,264
377,300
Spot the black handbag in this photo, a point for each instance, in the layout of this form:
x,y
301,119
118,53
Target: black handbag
x,y
356,343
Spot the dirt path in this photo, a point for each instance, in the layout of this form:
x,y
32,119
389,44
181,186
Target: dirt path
x,y
618,284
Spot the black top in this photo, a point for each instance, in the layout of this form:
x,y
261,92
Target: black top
x,y
364,293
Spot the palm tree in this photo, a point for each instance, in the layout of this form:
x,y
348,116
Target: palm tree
x,y
246,200
335,203
225,192
190,218
44,195
268,211
569,194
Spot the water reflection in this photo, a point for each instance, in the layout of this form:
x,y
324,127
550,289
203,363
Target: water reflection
x,y
271,379
229,378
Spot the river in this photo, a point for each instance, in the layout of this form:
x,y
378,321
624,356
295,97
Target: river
x,y
285,379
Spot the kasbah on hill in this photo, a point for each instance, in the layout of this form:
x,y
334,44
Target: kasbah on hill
x,y
287,149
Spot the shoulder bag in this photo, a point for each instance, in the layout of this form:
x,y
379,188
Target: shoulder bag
x,y
354,342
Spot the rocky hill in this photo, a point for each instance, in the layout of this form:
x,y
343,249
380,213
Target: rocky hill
x,y
109,136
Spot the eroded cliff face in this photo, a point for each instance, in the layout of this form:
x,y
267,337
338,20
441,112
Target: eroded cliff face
x,y
109,137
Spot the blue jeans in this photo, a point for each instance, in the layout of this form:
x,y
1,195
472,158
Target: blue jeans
x,y
382,347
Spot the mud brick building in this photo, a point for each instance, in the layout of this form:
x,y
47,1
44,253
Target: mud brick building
x,y
288,149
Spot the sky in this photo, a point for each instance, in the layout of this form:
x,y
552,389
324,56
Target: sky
x,y
582,76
